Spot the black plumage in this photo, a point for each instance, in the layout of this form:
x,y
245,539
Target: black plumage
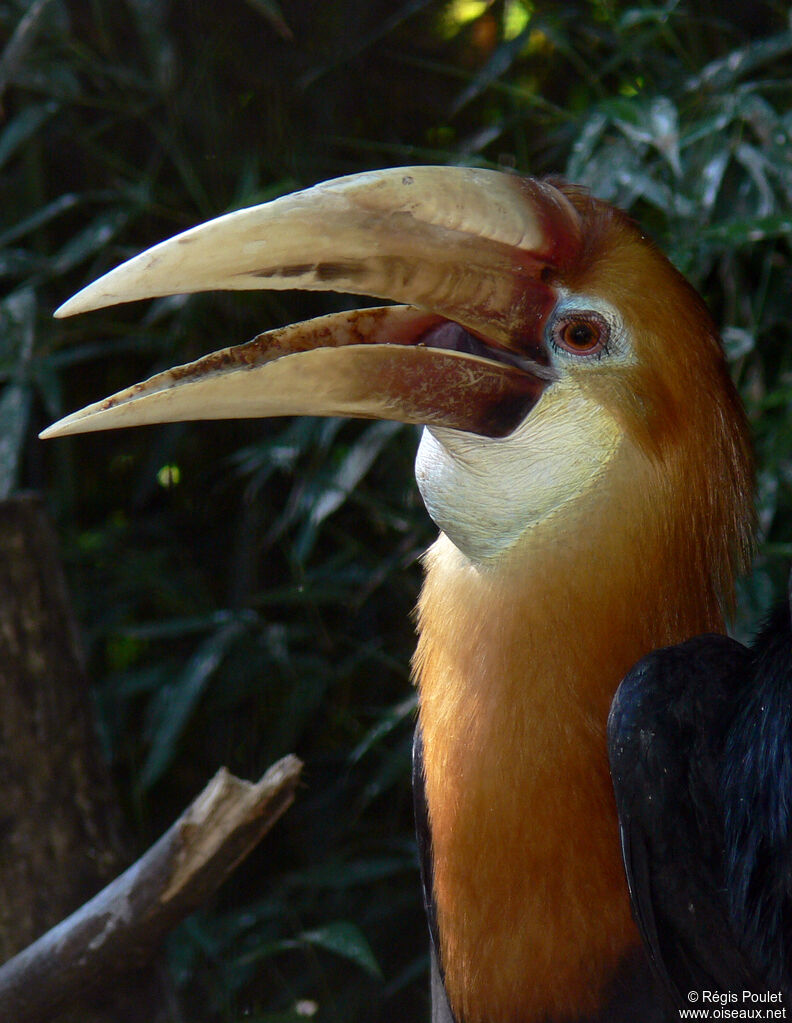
x,y
700,742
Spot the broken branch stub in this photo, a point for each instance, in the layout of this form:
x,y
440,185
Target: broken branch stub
x,y
124,923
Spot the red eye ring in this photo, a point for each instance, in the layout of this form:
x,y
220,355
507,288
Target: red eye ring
x,y
584,333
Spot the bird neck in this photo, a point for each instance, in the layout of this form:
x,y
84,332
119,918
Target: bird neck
x,y
516,666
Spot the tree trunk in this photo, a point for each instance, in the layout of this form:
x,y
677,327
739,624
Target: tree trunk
x,y
59,820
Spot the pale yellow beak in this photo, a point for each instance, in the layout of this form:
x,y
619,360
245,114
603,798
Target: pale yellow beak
x,y
469,249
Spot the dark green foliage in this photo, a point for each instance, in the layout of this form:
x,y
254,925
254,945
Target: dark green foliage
x,y
245,588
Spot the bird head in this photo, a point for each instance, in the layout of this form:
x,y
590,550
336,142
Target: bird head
x,y
549,349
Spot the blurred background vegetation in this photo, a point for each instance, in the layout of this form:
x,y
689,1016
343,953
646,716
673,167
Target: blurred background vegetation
x,y
245,589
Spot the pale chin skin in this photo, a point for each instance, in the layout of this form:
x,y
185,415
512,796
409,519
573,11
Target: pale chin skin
x,y
485,494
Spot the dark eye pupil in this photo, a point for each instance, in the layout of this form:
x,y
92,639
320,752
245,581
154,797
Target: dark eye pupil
x,y
581,334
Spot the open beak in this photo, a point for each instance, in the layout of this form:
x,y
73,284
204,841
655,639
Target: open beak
x,y
469,249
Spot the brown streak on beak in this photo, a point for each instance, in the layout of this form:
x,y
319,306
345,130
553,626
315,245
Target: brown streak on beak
x,y
366,364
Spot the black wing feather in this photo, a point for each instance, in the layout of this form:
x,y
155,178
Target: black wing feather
x,y
637,867
756,792
667,736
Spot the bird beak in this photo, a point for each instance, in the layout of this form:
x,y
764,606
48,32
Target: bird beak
x,y
469,249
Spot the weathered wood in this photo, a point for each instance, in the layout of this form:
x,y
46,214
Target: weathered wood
x,y
122,925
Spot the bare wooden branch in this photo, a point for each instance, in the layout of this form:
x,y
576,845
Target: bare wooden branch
x,y
123,925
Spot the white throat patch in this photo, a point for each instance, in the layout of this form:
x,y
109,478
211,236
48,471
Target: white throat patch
x,y
485,493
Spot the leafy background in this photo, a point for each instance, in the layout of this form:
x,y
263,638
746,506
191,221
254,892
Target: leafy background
x,y
245,589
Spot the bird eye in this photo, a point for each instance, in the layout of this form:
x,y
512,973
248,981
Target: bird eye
x,y
581,333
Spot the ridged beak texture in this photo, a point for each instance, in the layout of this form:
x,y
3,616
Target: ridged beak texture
x,y
467,248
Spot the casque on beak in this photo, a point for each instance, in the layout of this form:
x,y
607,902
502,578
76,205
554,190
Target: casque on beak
x,y
468,249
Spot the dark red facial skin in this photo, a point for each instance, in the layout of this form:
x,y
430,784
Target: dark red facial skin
x,y
535,271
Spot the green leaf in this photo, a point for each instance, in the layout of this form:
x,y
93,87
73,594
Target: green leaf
x,y
344,480
342,938
21,41
725,71
346,940
385,726
391,771
23,127
654,123
18,263
746,231
38,219
172,628
274,15
14,418
92,239
340,876
588,138
498,64
175,703
278,1017
709,180
635,16
755,166
17,333
738,342
17,329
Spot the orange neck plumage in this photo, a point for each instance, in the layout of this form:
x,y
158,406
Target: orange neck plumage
x,y
516,667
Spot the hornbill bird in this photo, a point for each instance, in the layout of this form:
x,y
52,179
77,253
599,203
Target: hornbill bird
x,y
586,459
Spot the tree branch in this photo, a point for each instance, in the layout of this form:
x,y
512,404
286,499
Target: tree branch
x,y
125,923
